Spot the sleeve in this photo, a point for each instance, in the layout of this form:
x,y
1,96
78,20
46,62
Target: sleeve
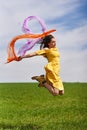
x,y
41,52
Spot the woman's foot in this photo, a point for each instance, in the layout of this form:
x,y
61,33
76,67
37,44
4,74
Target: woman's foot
x,y
40,85
40,79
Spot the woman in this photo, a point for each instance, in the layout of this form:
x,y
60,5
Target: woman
x,y
51,80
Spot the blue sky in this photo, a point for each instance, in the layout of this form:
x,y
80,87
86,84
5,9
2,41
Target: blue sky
x,y
68,17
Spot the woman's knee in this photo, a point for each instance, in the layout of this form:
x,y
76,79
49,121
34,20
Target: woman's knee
x,y
55,92
58,92
61,92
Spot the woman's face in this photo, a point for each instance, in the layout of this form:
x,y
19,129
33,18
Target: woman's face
x,y
52,44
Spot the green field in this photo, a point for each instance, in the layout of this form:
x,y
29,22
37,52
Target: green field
x,y
24,106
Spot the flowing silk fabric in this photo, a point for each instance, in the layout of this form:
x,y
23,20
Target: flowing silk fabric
x,y
11,51
30,43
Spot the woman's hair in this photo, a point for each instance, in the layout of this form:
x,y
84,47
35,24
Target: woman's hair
x,y
45,41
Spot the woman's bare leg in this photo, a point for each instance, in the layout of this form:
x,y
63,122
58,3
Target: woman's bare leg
x,y
54,91
61,92
51,89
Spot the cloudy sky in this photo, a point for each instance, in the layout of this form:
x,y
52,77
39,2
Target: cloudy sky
x,y
68,17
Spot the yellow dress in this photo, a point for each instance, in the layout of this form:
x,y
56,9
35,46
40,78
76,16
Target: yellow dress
x,y
53,67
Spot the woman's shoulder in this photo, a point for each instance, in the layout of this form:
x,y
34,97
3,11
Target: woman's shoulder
x,y
50,49
42,51
46,49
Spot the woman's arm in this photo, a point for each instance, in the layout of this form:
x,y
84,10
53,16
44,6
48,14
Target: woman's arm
x,y
27,56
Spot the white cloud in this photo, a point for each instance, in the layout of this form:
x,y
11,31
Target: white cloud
x,y
21,71
73,38
69,42
74,65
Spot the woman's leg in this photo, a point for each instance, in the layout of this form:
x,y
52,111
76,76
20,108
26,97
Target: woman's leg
x,y
54,91
61,92
51,89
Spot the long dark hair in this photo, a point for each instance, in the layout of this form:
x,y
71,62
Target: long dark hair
x,y
45,41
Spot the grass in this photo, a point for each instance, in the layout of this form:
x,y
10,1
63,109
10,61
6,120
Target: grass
x,y
24,106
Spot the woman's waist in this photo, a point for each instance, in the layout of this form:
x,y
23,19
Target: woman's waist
x,y
56,64
53,62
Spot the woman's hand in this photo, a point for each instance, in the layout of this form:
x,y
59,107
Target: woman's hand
x,y
19,58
